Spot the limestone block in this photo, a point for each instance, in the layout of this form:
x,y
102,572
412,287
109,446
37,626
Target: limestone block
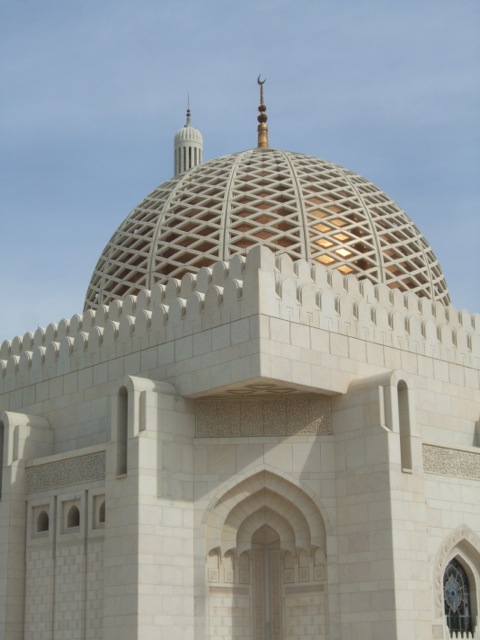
x,y
302,271
25,363
157,295
237,267
115,310
143,323
411,302
336,281
382,294
126,328
397,299
220,273
367,291
232,294
285,265
352,287
187,285
320,276
172,289
88,320
101,315
203,279
327,301
144,301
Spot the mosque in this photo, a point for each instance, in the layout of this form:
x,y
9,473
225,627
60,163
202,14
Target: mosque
x,y
264,425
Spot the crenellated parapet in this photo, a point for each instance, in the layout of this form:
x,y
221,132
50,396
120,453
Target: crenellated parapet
x,y
258,283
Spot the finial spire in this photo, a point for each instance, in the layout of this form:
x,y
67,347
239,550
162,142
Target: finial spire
x,y
187,124
262,118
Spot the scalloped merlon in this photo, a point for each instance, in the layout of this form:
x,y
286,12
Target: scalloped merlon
x,y
256,284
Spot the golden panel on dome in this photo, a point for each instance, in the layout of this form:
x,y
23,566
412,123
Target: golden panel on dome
x,y
326,260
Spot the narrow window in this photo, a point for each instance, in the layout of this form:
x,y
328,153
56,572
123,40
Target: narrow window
x,y
189,157
122,431
2,435
405,427
456,593
73,518
101,513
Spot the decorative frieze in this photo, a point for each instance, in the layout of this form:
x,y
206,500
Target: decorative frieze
x,y
314,588
451,462
278,416
64,473
229,591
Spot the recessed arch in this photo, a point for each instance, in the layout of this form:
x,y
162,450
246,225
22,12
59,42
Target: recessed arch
x,y
43,522
265,517
463,544
122,431
265,532
73,517
405,426
252,494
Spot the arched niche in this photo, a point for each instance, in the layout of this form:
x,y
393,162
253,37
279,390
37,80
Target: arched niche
x,y
267,537
458,559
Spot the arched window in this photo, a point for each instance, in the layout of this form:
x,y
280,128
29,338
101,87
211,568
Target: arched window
x,y
73,518
42,522
456,592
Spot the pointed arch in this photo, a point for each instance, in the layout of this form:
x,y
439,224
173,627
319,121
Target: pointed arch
x,y
268,534
463,545
264,498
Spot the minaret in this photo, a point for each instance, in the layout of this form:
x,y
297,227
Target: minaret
x,y
187,147
262,118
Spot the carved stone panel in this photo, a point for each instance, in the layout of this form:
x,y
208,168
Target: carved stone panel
x,y
451,462
65,473
263,416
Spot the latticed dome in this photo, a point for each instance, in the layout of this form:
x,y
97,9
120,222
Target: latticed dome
x,y
292,203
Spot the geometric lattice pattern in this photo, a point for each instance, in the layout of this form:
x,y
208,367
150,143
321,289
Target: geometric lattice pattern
x,y
292,203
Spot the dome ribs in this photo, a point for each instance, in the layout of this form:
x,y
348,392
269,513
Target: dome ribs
x,y
263,207
293,204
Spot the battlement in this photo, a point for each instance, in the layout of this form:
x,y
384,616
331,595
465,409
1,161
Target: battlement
x,y
259,283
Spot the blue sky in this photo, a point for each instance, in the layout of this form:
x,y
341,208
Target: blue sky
x,y
94,91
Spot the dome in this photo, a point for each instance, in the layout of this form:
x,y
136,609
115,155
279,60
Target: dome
x,y
292,203
188,134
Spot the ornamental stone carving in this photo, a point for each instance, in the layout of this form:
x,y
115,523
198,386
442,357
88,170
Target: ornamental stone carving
x,y
451,462
279,416
64,473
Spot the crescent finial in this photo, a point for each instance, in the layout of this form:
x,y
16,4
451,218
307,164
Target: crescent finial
x,y
262,117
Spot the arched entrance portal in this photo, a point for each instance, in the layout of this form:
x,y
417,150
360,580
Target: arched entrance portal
x,y
266,570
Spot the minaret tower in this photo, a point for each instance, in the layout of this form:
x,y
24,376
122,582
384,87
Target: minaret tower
x,y
187,147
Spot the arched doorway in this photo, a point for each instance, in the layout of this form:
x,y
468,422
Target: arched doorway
x,y
266,570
